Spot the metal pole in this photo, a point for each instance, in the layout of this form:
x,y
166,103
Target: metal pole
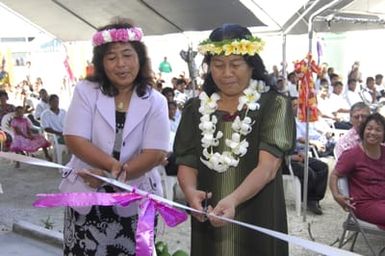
x,y
284,57
192,69
306,169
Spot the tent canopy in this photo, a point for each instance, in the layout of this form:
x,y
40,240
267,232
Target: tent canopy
x,y
71,20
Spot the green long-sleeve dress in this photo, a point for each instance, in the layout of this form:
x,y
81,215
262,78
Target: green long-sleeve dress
x,y
273,131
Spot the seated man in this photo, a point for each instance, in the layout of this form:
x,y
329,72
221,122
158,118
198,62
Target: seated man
x,y
369,93
322,141
42,105
52,119
317,179
339,107
317,175
358,114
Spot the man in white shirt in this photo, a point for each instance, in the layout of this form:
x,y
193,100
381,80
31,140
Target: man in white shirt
x,y
42,105
369,94
351,95
380,89
180,97
339,107
52,119
292,84
323,143
317,171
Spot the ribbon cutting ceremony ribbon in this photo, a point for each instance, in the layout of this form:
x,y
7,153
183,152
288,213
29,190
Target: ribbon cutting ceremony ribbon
x,y
149,205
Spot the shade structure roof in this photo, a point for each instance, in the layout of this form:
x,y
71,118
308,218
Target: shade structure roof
x,y
72,20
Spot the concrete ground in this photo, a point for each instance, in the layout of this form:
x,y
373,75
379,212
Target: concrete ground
x,y
22,184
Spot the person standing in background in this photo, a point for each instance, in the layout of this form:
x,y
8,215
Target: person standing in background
x,y
165,66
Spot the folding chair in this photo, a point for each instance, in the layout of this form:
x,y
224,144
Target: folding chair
x,y
357,226
295,185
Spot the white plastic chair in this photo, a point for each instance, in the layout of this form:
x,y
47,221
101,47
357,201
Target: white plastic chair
x,y
357,226
294,184
6,124
58,149
168,183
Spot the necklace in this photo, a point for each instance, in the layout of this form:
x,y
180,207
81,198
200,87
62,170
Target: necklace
x,y
120,101
120,106
221,162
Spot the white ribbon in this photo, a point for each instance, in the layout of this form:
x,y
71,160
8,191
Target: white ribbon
x,y
310,245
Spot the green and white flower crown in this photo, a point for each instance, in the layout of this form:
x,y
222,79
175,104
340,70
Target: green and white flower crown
x,y
251,45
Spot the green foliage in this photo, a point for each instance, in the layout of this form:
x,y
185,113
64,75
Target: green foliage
x,y
180,253
162,250
48,224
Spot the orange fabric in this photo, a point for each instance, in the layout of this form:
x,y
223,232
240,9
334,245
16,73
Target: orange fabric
x,y
307,95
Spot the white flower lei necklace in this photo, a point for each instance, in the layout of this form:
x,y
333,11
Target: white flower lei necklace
x,y
238,148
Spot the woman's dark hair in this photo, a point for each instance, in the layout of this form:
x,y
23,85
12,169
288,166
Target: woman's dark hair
x,y
166,90
53,97
378,118
143,81
233,31
4,93
19,108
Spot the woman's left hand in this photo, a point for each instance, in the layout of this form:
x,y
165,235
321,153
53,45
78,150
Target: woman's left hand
x,y
224,208
89,180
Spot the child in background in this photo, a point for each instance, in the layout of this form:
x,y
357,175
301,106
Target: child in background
x,y
24,139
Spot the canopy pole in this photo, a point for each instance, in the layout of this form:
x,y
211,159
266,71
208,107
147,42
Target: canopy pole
x,y
306,169
284,57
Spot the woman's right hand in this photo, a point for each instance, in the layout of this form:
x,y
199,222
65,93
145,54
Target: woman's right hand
x,y
345,202
195,199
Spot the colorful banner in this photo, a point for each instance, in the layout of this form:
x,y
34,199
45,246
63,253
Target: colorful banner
x,y
307,99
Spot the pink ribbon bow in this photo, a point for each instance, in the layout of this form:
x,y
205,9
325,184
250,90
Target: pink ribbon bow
x,y
147,211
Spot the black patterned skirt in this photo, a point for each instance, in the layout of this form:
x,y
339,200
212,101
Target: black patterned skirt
x,y
101,233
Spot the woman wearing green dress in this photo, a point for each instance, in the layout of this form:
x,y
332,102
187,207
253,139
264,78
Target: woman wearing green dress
x,y
229,147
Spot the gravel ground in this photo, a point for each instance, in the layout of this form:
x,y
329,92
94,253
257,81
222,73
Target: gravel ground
x,y
22,184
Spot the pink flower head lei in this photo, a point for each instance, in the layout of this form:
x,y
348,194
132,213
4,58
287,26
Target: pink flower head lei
x,y
117,35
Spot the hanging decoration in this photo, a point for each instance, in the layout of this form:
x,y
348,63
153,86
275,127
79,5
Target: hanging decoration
x,y
307,99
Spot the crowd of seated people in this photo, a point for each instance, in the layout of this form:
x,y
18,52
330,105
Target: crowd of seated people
x,y
349,106
42,113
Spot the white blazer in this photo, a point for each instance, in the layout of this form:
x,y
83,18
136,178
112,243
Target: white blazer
x,y
91,115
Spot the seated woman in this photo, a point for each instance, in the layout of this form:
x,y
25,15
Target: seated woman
x,y
25,140
366,174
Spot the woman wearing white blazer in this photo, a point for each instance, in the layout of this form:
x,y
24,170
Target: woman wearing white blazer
x,y
116,123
